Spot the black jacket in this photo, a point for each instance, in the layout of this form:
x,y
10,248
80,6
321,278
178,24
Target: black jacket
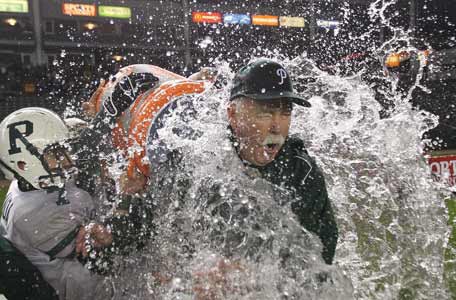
x,y
294,169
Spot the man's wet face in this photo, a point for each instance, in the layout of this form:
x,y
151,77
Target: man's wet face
x,y
58,159
260,127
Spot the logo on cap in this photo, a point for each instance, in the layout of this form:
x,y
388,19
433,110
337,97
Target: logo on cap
x,y
282,74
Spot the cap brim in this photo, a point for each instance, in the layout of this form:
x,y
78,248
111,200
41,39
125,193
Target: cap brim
x,y
280,95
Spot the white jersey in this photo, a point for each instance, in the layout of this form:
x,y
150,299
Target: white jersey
x,y
36,224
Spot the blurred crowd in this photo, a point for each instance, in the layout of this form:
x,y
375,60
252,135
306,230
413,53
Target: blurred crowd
x,y
60,85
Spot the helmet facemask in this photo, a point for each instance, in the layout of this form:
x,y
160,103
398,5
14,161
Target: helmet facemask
x,y
58,164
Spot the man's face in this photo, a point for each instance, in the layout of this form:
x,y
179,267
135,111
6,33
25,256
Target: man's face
x,y
58,158
59,164
260,127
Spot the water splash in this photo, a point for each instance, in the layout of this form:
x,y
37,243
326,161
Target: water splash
x,y
391,214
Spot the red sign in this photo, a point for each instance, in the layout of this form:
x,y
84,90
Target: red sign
x,y
444,168
207,17
73,9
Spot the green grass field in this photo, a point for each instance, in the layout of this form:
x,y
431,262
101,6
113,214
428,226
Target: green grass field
x,y
2,195
450,253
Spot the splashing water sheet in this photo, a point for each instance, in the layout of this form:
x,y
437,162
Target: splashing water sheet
x,y
391,214
227,231
219,233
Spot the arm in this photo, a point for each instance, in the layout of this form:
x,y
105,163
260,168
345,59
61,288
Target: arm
x,y
133,223
95,140
206,73
124,232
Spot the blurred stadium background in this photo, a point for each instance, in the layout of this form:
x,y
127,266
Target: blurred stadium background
x,y
52,52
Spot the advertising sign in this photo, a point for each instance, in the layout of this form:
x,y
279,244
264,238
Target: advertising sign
x,y
14,6
444,168
236,19
265,20
291,21
119,12
328,24
74,9
207,17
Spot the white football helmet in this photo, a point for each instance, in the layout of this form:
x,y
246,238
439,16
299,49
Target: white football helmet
x,y
28,137
75,126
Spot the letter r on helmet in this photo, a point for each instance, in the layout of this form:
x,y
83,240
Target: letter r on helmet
x,y
14,134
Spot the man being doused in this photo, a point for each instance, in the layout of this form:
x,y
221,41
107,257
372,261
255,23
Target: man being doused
x,y
250,192
259,114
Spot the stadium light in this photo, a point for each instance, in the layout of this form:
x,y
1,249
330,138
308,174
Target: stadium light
x,y
90,26
11,21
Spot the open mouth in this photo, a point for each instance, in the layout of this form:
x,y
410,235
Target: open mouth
x,y
271,148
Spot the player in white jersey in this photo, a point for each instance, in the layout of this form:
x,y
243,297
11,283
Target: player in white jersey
x,y
45,215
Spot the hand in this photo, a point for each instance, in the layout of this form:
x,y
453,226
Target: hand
x,y
89,108
127,90
218,281
95,235
132,185
205,73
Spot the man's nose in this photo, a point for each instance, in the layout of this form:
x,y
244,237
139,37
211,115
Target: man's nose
x,y
275,123
66,163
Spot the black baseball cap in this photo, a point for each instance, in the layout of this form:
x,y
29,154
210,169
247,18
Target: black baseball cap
x,y
265,79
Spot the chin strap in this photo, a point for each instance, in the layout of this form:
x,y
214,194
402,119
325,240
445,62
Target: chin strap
x,y
10,170
62,200
23,184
